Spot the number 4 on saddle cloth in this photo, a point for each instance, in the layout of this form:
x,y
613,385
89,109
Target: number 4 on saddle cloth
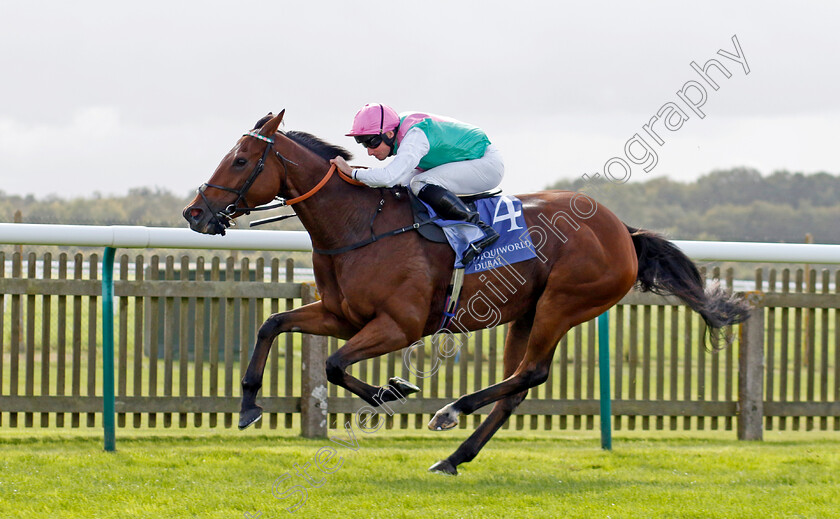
x,y
503,213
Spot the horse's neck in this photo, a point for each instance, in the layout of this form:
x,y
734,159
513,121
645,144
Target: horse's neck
x,y
338,214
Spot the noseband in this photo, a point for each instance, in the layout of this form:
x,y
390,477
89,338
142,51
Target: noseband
x,y
224,217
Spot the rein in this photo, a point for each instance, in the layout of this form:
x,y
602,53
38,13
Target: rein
x,y
321,184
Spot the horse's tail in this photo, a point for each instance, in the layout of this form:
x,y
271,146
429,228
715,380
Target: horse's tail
x,y
664,269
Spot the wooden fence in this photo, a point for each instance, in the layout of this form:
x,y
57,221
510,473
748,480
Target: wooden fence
x,y
179,364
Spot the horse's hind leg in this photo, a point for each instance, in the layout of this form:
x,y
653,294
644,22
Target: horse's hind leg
x,y
312,319
468,450
515,344
548,328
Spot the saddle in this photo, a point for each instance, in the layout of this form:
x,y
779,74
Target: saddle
x,y
435,233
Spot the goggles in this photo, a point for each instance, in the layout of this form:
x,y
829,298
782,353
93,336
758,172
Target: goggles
x,y
369,141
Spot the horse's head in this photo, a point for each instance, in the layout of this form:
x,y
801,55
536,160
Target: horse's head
x,y
248,176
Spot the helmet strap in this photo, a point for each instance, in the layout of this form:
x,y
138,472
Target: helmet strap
x,y
390,142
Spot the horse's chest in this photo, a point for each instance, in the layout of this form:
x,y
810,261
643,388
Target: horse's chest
x,y
359,292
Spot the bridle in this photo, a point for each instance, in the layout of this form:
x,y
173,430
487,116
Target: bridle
x,y
223,218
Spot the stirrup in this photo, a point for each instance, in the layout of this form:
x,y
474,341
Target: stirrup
x,y
471,253
475,249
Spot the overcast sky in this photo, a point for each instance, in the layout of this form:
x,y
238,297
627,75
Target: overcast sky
x,y
106,96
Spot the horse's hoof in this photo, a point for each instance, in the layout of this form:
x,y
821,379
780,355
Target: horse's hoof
x,y
404,387
446,418
249,416
444,467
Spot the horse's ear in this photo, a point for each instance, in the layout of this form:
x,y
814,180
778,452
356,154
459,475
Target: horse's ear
x,y
270,127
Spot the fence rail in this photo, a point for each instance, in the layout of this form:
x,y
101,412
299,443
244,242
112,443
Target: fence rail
x,y
178,364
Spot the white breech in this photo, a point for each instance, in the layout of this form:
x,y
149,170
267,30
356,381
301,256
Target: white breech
x,y
464,177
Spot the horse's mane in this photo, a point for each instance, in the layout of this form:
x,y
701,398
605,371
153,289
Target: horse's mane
x,y
315,144
321,148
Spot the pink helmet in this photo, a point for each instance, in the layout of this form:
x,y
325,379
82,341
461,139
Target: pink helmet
x,y
374,119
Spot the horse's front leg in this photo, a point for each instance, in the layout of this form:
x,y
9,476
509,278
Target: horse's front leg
x,y
380,336
312,319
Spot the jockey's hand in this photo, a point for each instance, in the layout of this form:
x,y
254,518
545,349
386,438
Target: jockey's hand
x,y
342,165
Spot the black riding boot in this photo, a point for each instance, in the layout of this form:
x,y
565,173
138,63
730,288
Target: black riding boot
x,y
449,206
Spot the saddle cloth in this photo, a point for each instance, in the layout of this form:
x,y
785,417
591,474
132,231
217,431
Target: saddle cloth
x,y
503,213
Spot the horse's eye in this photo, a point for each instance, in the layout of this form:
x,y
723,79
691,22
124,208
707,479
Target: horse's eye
x,y
240,162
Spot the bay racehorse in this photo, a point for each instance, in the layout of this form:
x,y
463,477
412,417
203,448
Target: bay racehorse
x,y
386,295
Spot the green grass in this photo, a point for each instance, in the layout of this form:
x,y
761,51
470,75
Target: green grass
x,y
161,474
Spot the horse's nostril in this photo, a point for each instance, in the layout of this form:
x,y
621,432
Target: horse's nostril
x,y
193,214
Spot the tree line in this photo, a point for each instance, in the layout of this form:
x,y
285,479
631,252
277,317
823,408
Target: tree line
x,y
737,204
152,207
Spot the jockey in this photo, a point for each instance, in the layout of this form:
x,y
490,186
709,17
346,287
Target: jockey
x,y
437,157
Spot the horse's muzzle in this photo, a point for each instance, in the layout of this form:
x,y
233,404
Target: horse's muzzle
x,y
203,221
